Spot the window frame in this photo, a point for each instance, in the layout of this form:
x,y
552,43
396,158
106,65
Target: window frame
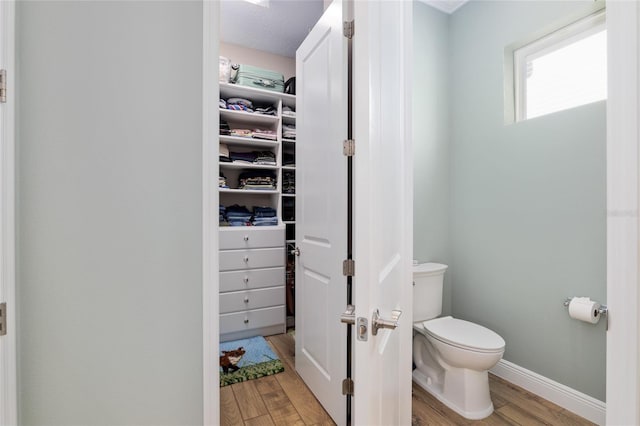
x,y
551,42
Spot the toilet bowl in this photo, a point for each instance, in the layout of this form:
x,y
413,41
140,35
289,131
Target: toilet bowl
x,y
452,360
452,356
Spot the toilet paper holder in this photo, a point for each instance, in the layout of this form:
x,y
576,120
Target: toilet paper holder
x,y
603,311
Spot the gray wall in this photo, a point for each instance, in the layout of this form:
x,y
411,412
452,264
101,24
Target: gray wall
x,y
527,200
431,143
109,212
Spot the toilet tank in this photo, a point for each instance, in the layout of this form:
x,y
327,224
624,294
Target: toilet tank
x,y
428,280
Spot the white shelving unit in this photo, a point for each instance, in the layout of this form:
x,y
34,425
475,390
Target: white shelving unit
x,y
253,259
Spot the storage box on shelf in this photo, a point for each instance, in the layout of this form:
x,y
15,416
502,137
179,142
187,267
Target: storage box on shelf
x,y
252,258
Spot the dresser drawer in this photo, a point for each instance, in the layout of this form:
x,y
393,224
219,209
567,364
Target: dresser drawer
x,y
240,321
247,259
247,238
251,299
251,279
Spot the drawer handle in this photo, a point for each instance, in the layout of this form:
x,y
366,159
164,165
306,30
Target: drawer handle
x,y
246,320
246,238
246,300
246,258
246,280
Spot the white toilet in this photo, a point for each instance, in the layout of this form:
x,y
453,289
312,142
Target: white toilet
x,y
452,356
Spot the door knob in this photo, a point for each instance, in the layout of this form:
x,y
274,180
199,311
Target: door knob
x,y
296,251
378,323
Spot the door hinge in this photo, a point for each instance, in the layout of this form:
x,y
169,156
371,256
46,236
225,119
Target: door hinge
x,y
349,147
3,86
347,29
347,386
3,319
348,267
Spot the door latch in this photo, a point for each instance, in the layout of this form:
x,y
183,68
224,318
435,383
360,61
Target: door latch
x,y
349,317
377,323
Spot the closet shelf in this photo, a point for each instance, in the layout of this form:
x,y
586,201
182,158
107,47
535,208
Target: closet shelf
x,y
288,195
249,142
292,168
247,191
229,90
248,118
246,166
288,141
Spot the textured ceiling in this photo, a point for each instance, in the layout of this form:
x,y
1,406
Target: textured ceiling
x,y
279,28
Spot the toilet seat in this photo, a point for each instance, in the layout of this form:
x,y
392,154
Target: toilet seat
x,y
464,335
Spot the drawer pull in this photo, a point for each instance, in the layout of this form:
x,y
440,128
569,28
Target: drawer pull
x,y
246,280
246,258
246,320
246,300
246,238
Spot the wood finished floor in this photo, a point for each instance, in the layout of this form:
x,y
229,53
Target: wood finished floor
x,y
284,399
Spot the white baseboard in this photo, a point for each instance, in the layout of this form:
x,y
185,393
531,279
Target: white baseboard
x,y
564,396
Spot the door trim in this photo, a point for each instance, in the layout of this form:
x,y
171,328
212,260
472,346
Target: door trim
x,y
210,199
8,388
623,131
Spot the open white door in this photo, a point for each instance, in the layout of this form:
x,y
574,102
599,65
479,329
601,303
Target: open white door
x,y
383,208
8,404
321,211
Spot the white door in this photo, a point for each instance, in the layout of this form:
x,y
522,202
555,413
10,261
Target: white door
x,y
383,221
321,211
8,405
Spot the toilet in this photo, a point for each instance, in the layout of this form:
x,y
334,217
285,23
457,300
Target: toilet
x,y
452,356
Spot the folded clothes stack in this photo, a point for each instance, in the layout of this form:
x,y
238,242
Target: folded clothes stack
x,y
222,212
224,128
265,158
243,157
288,131
265,134
222,181
289,182
224,153
246,105
243,133
288,159
238,215
257,179
288,209
264,216
288,112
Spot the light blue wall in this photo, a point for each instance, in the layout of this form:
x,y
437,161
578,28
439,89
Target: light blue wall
x,y
109,212
431,136
527,201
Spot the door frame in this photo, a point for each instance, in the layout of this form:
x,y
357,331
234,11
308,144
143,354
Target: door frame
x,y
8,387
623,184
623,222
210,200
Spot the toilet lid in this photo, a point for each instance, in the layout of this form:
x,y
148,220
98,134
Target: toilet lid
x,y
464,334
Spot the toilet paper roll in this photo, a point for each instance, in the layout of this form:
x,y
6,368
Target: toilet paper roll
x,y
584,309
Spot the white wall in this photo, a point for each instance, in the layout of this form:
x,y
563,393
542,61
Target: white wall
x,y
431,140
245,55
109,212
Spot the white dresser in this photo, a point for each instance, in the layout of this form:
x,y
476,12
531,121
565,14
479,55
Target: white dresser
x,y
252,279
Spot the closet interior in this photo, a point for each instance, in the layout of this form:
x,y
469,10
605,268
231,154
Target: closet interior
x,y
257,183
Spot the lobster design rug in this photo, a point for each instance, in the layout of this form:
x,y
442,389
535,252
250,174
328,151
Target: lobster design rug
x,y
247,359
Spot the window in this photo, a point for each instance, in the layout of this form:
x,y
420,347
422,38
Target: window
x,y
565,69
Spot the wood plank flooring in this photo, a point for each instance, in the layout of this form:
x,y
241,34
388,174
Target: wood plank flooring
x,y
284,399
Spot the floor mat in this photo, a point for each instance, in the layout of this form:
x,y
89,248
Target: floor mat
x,y
247,359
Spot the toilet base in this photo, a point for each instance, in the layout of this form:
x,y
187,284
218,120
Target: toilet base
x,y
436,390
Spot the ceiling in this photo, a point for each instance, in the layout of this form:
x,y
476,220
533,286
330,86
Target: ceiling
x,y
282,26
279,28
447,6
